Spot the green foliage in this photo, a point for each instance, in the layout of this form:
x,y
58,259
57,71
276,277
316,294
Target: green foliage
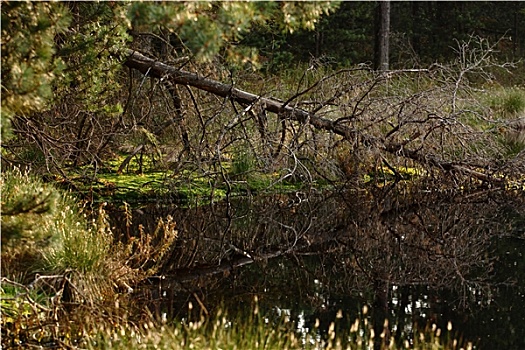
x,y
42,221
29,64
209,28
91,52
421,34
515,103
127,187
40,224
31,154
81,249
345,37
44,231
30,208
304,15
234,330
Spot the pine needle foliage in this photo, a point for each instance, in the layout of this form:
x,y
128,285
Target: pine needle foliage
x,y
34,214
29,64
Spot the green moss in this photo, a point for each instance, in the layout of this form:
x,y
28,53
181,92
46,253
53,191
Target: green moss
x,y
187,187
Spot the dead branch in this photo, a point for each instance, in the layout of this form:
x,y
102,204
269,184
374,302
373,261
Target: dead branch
x,y
159,70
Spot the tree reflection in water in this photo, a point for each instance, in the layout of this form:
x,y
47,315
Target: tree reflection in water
x,y
413,257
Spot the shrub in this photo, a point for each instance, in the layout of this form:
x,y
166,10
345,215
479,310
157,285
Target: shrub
x,y
58,268
34,217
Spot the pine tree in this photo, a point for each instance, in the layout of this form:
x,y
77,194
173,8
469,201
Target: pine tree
x,y
29,63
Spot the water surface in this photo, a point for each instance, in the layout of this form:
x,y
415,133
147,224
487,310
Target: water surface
x,y
417,259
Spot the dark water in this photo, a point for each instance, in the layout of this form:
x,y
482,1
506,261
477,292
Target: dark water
x,y
414,258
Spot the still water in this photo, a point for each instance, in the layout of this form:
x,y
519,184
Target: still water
x,y
415,259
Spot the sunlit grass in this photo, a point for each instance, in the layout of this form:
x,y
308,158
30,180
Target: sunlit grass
x,y
227,330
507,102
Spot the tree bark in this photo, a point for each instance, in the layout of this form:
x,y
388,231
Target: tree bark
x,y
383,36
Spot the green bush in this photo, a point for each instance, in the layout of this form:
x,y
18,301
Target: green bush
x,y
45,226
52,255
28,208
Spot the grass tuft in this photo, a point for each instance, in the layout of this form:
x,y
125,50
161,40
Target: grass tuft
x,y
507,102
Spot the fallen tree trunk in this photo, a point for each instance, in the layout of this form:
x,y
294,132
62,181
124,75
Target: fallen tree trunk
x,y
159,70
150,67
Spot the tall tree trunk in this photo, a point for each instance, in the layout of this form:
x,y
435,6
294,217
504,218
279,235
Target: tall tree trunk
x,y
383,36
416,31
